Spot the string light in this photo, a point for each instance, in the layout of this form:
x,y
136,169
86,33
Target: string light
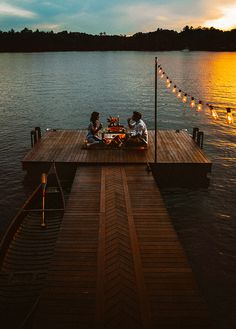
x,y
199,105
174,89
169,84
160,69
185,98
229,116
179,93
213,112
192,103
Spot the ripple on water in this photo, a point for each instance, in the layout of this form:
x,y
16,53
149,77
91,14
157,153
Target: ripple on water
x,y
62,89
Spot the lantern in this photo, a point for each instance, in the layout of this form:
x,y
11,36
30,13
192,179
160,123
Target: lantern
x,y
179,93
44,179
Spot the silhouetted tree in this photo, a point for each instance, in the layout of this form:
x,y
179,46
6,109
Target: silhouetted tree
x,y
162,39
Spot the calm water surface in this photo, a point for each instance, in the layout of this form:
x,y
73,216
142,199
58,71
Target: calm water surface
x,y
60,90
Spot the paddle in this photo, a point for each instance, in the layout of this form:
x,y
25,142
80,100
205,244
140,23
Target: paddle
x,y
44,184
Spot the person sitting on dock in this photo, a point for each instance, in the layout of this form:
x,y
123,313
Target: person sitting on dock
x,y
138,131
94,127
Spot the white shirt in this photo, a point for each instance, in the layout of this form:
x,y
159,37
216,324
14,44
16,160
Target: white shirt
x,y
139,128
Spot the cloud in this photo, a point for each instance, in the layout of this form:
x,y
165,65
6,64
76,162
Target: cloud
x,y
148,17
120,17
47,27
225,19
8,10
174,14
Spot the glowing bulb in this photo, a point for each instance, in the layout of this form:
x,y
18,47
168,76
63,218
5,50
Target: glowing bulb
x,y
199,107
162,75
229,116
174,89
169,84
184,100
160,70
179,93
213,112
192,103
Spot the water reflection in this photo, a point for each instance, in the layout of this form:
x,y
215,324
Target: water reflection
x,y
62,89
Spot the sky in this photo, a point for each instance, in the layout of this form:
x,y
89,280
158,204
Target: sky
x,y
116,17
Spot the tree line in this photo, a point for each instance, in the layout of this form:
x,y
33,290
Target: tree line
x,y
208,39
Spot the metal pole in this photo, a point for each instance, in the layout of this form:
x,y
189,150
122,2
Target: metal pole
x,y
155,110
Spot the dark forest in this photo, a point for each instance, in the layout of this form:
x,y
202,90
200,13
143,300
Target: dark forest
x,y
209,39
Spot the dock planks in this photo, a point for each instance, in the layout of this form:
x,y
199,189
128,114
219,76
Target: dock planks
x,y
118,262
180,161
67,146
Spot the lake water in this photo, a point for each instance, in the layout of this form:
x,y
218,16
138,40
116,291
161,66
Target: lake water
x,y
60,90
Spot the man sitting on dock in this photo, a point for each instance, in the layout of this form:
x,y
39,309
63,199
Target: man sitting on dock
x,y
138,131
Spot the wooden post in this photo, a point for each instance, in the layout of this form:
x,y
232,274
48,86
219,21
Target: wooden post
x,y
155,160
195,132
33,138
38,133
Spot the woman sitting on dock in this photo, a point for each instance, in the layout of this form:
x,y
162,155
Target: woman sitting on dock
x,y
94,127
138,131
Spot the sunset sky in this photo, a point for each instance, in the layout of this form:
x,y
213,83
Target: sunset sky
x,y
116,17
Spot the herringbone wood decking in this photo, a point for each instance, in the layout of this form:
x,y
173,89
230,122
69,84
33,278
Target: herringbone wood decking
x,y
118,262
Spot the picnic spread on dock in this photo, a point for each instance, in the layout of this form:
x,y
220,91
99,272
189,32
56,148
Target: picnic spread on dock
x,y
116,135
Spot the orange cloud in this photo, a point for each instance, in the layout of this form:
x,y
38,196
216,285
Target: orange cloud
x,y
225,18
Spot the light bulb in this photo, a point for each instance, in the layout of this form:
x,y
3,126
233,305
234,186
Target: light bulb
x,y
174,89
168,84
184,100
213,112
199,106
192,103
229,116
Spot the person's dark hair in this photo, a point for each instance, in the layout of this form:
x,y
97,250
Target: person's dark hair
x,y
94,116
137,115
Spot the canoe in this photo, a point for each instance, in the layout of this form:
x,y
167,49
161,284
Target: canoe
x,y
26,250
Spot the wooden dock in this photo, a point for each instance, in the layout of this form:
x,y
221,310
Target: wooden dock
x,y
180,161
118,262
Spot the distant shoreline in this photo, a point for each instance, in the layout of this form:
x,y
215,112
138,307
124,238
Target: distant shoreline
x,y
199,39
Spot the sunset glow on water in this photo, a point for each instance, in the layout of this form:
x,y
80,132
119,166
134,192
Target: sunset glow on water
x,y
60,90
